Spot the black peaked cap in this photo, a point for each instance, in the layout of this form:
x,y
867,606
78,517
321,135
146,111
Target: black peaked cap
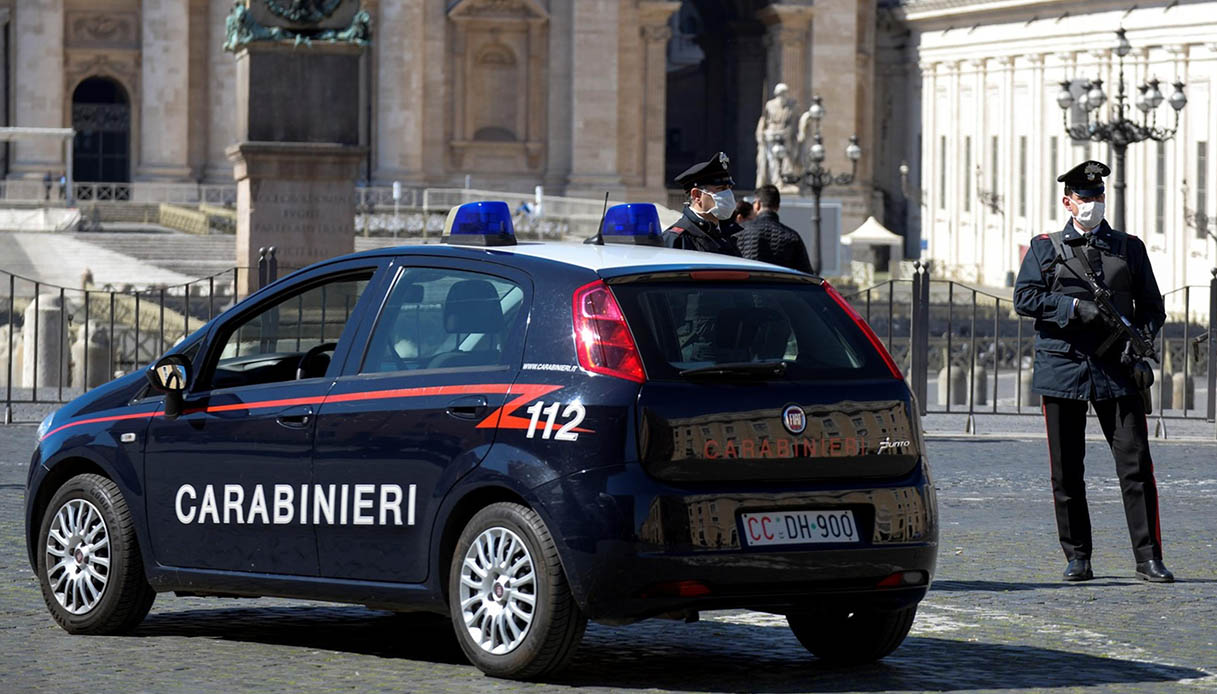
x,y
1086,179
713,172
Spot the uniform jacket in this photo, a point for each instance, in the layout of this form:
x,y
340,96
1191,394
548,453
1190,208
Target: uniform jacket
x,y
693,233
768,240
1067,364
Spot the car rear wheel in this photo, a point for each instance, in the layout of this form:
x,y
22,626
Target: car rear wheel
x,y
508,596
89,563
852,638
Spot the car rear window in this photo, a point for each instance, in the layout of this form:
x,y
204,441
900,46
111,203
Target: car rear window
x,y
682,325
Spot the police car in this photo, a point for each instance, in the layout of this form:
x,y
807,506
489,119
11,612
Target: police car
x,y
523,436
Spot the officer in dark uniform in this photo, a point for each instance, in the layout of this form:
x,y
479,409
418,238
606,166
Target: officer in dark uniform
x,y
1075,364
706,224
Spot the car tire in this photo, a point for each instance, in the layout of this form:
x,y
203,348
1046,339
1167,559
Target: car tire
x,y
89,563
499,630
852,638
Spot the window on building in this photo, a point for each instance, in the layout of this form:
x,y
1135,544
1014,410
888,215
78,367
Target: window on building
x,y
1022,175
942,172
1054,152
1160,195
1202,188
967,168
996,160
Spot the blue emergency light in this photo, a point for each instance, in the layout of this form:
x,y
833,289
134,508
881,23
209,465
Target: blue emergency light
x,y
635,223
480,224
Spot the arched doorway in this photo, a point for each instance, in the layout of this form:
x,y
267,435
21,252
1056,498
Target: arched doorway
x,y
716,85
101,116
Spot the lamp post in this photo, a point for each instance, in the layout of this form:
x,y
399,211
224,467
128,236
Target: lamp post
x,y
817,178
1120,131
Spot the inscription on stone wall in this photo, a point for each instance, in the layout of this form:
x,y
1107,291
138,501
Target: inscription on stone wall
x,y
306,222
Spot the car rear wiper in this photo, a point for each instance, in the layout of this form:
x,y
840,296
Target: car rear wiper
x,y
751,369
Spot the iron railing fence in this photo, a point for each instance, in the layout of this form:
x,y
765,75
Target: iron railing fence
x,y
964,350
57,342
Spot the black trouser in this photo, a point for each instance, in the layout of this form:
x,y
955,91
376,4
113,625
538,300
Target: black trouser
x,y
1123,422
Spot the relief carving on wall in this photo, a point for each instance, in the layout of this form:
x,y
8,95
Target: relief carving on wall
x,y
498,9
103,29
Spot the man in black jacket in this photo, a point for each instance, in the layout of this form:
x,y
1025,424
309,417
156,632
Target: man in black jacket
x,y
1077,363
765,238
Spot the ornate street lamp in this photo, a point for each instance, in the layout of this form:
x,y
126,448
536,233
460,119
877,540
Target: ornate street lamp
x,y
817,178
1120,131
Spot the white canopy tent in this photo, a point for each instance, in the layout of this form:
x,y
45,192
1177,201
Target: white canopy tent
x,y
872,233
65,134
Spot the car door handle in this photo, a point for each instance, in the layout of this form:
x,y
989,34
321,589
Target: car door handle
x,y
468,407
295,418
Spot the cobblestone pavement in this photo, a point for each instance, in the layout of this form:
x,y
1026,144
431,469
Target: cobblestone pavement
x,y
998,617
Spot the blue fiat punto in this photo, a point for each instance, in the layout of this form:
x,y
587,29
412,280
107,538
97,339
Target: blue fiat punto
x,y
523,436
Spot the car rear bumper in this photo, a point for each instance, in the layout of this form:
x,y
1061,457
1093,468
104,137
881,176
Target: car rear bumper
x,y
658,548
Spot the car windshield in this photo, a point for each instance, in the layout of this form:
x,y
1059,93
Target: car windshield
x,y
756,329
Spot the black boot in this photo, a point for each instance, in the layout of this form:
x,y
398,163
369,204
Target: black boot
x,y
1154,571
1079,570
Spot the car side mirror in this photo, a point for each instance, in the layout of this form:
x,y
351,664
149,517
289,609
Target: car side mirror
x,y
171,375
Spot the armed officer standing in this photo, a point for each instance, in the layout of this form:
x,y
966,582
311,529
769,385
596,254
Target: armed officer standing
x,y
706,224
1077,362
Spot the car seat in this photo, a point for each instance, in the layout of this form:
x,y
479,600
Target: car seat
x,y
471,307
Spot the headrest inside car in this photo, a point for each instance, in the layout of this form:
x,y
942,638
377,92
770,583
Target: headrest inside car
x,y
472,306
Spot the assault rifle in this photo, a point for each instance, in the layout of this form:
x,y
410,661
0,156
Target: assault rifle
x,y
1139,346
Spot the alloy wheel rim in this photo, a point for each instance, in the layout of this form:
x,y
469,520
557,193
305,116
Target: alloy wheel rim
x,y
78,556
498,591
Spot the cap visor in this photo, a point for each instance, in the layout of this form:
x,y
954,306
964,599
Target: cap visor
x,y
1088,192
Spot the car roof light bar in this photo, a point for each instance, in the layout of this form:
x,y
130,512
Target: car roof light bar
x,y
634,223
486,223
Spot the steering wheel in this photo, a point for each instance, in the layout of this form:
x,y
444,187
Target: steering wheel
x,y
302,369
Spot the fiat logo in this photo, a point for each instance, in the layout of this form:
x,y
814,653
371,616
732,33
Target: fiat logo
x,y
794,420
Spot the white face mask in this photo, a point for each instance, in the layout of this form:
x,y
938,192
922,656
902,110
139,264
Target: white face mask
x,y
1089,214
724,204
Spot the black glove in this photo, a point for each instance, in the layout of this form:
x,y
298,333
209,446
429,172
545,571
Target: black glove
x,y
1087,312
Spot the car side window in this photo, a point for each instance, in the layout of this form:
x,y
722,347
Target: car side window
x,y
292,339
438,318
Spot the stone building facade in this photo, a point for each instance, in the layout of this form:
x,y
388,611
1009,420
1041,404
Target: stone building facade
x,y
580,96
969,98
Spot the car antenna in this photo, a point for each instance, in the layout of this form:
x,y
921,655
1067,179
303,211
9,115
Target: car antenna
x,y
598,239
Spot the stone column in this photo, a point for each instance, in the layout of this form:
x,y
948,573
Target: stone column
x,y
222,101
929,170
655,35
164,91
38,99
44,363
595,93
560,90
789,50
400,96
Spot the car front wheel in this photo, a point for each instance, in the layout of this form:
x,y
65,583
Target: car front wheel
x,y
510,603
852,638
89,563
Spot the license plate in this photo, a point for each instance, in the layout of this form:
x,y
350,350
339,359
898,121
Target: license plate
x,y
798,527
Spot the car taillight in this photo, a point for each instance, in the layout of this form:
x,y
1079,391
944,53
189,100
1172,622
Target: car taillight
x,y
870,334
602,338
